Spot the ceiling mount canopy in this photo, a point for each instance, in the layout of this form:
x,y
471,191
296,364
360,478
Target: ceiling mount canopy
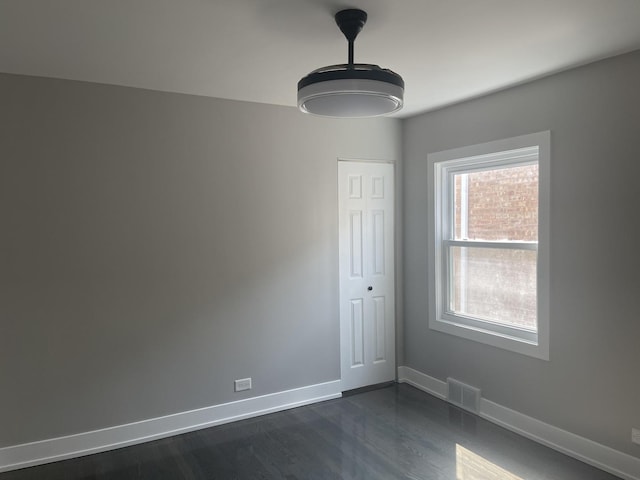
x,y
351,90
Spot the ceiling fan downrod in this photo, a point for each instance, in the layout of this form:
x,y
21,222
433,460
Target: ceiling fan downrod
x,y
351,22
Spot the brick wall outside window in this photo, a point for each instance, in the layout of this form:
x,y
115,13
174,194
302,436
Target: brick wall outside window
x,y
496,284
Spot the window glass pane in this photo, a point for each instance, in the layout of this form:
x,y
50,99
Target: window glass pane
x,y
499,204
494,284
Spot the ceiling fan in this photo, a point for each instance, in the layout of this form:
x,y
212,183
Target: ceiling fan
x,y
351,90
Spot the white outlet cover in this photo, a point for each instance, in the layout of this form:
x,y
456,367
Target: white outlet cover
x,y
242,384
635,435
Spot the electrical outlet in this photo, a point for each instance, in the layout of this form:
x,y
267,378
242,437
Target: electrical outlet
x,y
635,435
242,384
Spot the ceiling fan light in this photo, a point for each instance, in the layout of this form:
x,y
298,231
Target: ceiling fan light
x,y
350,98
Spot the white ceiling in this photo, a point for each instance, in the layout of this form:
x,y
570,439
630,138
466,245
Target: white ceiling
x,y
257,50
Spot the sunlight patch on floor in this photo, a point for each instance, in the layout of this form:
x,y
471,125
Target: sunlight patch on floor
x,y
471,466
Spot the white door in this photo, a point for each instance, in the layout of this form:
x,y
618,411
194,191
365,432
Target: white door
x,y
367,310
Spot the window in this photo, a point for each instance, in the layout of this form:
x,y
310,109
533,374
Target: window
x,y
489,257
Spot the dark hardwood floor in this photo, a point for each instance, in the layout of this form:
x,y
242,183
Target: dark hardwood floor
x,y
396,432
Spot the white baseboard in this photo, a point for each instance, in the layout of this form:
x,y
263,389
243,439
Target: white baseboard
x,y
605,458
428,384
54,449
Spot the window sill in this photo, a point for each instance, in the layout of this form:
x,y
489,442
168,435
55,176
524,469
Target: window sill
x,y
487,337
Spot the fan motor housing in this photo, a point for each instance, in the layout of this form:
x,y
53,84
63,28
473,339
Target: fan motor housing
x,y
367,90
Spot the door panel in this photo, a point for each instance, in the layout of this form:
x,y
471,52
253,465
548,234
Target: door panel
x,y
379,324
378,242
355,234
357,333
367,304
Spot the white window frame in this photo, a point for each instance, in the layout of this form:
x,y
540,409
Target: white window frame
x,y
522,150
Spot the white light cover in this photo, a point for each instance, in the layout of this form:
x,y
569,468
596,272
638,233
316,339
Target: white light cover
x,y
350,98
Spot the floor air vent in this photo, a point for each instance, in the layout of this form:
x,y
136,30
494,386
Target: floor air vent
x,y
463,395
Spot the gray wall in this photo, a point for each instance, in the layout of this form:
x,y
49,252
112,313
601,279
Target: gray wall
x,y
156,246
591,384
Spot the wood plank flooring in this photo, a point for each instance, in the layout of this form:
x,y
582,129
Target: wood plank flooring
x,y
397,432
